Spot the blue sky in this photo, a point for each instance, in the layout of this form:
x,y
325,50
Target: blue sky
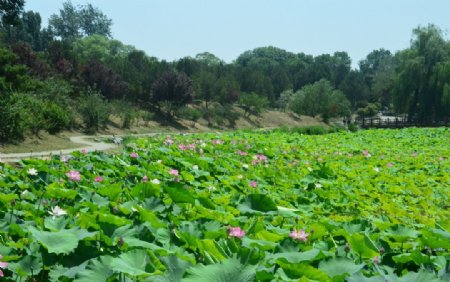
x,y
172,29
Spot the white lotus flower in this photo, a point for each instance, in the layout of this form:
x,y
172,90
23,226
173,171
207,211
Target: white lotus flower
x,y
32,171
156,181
57,211
195,167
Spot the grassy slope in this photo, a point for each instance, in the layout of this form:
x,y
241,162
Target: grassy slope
x,y
47,142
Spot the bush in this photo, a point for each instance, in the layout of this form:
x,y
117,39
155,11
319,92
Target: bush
x,y
147,117
94,111
370,110
12,124
221,115
32,109
125,111
352,127
284,99
56,118
189,113
310,130
252,103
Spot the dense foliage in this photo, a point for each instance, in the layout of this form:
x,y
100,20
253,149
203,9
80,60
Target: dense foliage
x,y
240,206
76,49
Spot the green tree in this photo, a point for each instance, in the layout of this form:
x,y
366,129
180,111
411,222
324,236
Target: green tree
x,y
252,103
76,22
94,110
208,59
171,91
355,88
421,75
100,48
374,62
28,30
321,99
10,11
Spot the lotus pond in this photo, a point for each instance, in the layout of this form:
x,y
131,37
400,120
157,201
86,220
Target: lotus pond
x,y
240,206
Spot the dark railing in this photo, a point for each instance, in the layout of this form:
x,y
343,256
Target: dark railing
x,y
397,122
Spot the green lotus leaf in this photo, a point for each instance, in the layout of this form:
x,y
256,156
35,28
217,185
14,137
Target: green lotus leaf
x,y
97,270
227,270
179,194
133,263
60,242
296,257
339,266
362,245
27,266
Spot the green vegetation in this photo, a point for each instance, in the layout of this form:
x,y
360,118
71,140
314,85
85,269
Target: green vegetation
x,y
244,206
57,64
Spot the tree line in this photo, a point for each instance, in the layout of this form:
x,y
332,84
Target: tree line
x,y
73,73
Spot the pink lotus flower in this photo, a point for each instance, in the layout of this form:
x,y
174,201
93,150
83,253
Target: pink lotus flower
x,y
168,141
299,235
134,155
376,260
145,179
98,178
366,153
217,142
236,232
242,153
259,159
389,164
64,158
74,175
173,172
2,266
253,184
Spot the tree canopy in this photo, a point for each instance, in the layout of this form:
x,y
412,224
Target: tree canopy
x,y
75,54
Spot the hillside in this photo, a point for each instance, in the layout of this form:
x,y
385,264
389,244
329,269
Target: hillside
x,y
46,142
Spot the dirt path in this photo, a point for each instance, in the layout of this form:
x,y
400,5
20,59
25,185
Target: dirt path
x,y
85,141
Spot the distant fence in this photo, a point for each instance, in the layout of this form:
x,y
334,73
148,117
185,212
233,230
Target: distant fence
x,y
397,122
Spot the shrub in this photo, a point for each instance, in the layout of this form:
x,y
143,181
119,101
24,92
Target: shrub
x,y
125,111
310,130
189,113
370,110
221,115
94,110
32,109
252,103
284,99
12,124
56,118
352,127
147,116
